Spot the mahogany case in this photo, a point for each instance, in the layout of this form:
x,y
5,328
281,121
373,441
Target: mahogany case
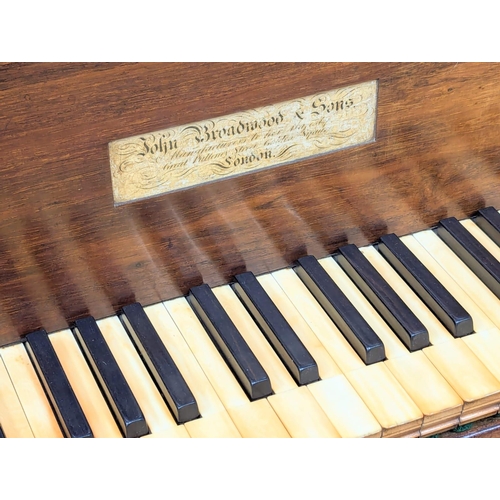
x,y
66,250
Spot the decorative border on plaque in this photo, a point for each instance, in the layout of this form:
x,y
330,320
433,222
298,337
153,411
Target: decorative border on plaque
x,y
189,155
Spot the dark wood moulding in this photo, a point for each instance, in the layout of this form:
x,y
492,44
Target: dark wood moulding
x,y
66,251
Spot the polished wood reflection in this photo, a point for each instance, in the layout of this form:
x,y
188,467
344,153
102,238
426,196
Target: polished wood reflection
x,y
66,250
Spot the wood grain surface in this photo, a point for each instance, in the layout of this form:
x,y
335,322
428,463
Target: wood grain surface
x,y
66,250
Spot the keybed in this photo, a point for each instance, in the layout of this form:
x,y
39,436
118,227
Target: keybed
x,y
409,389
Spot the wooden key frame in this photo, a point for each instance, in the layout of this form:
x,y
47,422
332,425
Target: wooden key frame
x,y
71,251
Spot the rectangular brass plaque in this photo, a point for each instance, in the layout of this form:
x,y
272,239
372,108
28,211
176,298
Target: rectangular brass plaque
x,y
188,155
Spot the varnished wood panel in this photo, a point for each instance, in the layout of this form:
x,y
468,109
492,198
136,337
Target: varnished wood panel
x,y
65,250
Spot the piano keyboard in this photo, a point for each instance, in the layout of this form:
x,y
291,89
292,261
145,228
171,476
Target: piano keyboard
x,y
397,339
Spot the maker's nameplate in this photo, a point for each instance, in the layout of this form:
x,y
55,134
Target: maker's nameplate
x,y
197,153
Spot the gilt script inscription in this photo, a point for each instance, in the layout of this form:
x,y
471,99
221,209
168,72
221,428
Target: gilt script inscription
x,y
186,156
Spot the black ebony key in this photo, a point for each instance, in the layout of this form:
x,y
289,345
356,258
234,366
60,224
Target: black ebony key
x,y
480,261
116,389
2,435
388,303
280,334
347,318
176,392
57,386
230,343
488,220
454,317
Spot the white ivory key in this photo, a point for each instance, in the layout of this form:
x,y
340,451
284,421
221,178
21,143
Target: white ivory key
x,y
440,406
216,370
84,385
390,404
205,395
470,378
437,332
346,410
171,432
30,392
462,282
12,417
241,410
344,407
318,321
281,380
154,408
486,346
412,370
431,392
214,425
482,237
258,420
475,388
393,346
302,415
214,420
459,289
385,398
476,292
326,366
